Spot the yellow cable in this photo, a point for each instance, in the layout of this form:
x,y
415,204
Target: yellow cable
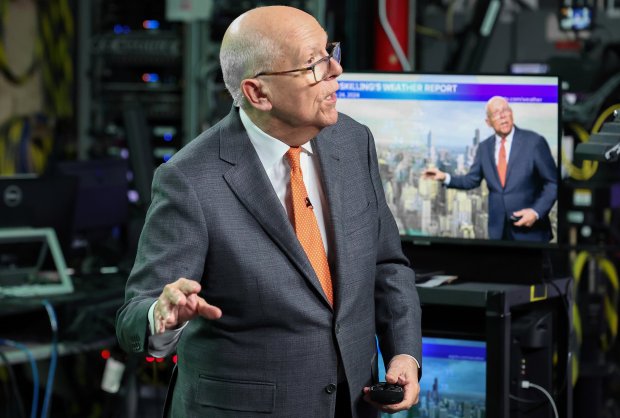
x,y
67,17
430,32
13,137
578,266
3,155
56,34
603,116
580,261
612,317
575,370
588,168
609,305
577,324
610,270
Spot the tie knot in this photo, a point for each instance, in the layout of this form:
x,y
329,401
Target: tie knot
x,y
293,158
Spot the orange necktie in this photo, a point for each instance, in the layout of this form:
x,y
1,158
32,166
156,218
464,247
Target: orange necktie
x,y
501,162
306,226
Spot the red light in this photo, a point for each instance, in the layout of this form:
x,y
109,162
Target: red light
x,y
150,359
150,77
150,24
159,359
174,359
105,354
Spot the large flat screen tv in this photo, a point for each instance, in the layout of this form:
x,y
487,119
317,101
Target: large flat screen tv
x,y
422,122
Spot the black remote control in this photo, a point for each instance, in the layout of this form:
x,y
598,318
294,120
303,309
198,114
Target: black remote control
x,y
386,393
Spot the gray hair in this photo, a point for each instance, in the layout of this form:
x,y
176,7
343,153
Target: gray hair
x,y
244,55
486,106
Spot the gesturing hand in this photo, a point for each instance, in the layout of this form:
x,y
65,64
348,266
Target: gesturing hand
x,y
179,302
433,174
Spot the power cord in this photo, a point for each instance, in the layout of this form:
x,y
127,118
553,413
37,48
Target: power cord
x,y
33,364
565,299
17,395
35,372
53,359
526,384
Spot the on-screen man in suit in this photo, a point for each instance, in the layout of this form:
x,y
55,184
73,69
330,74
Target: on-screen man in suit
x,y
265,324
520,174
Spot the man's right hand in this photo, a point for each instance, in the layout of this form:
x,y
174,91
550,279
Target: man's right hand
x,y
433,174
178,303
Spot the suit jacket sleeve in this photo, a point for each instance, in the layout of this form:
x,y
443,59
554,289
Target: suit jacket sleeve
x,y
173,244
546,168
474,176
397,306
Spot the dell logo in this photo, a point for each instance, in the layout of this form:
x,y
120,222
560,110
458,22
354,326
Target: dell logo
x,y
12,196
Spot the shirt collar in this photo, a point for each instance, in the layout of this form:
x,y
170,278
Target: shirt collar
x,y
270,150
498,139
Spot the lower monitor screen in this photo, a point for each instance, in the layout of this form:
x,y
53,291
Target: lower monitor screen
x,y
453,381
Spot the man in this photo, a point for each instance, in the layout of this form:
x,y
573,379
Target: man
x,y
520,174
265,324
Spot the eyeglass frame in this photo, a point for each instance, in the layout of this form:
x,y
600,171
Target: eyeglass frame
x,y
328,57
499,113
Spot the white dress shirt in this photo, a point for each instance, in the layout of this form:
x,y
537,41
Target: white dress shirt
x,y
507,145
272,154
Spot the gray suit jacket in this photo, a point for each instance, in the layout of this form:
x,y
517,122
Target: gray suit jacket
x,y
276,350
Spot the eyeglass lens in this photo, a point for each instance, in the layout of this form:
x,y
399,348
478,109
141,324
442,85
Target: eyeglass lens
x,y
321,70
500,112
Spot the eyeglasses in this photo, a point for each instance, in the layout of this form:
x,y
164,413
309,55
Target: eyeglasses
x,y
320,69
499,113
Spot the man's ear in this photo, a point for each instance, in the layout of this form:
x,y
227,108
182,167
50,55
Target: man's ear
x,y
488,121
256,94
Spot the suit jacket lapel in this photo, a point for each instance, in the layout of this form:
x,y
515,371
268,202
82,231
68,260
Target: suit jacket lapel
x,y
249,182
491,160
332,173
516,151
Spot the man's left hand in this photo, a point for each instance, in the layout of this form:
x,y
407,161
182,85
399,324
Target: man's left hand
x,y
528,217
403,371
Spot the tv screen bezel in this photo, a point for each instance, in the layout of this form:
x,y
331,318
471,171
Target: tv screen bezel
x,y
559,232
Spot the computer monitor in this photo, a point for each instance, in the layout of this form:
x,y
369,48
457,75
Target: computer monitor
x,y
39,202
36,216
102,215
101,201
453,381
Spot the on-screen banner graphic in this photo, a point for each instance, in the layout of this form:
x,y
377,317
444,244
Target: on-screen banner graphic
x,y
455,352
